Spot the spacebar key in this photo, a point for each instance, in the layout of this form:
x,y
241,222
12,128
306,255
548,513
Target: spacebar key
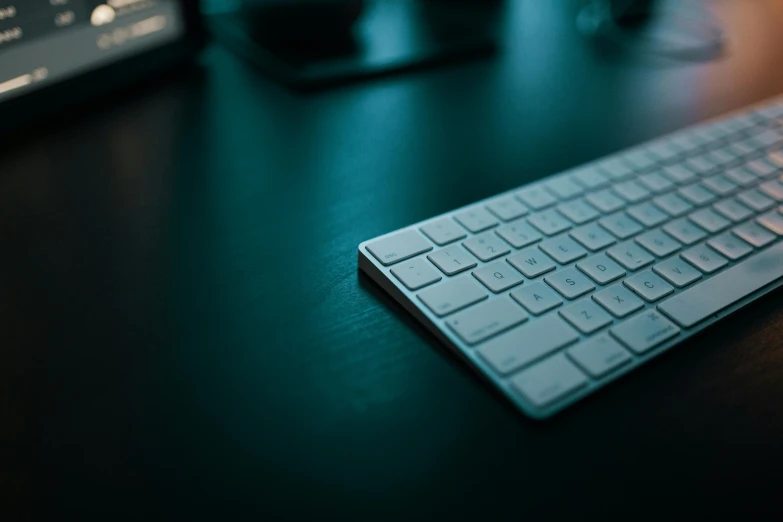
x,y
713,295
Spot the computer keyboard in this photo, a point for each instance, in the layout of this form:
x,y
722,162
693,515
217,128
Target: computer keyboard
x,y
556,288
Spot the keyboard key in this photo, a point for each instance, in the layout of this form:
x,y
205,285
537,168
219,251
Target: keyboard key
x,y
665,149
647,214
452,260
672,204
605,201
453,295
762,168
658,242
507,208
593,237
730,246
498,276
487,319
742,176
579,211
563,249
616,168
677,272
773,189
631,191
709,220
733,210
599,355
756,200
398,247
656,182
679,174
443,231
563,188
549,222
772,221
487,246
649,286
754,234
537,298
645,331
532,262
416,273
684,231
549,381
720,185
590,178
601,269
704,300
618,300
722,158
570,283
701,165
696,194
704,258
586,316
476,219
524,344
621,225
630,255
519,234
536,197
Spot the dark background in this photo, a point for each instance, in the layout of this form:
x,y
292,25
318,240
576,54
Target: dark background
x,y
185,333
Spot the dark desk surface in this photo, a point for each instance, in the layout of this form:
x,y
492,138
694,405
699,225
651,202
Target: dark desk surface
x,y
185,333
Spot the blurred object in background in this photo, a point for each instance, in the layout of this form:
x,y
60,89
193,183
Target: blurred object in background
x,y
312,44
675,29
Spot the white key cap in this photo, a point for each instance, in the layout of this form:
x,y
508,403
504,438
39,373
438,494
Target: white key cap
x,y
730,246
618,300
649,286
443,231
754,234
677,272
532,262
773,189
476,219
696,304
599,355
452,260
601,269
526,343
589,177
655,182
631,191
755,200
696,194
507,208
621,225
536,197
762,168
549,222
605,200
630,255
549,381
701,165
680,174
616,168
720,185
658,242
742,176
586,316
570,283
482,321
519,234
672,204
709,220
772,221
453,295
398,247
704,258
563,249
645,331
498,276
593,237
563,188
684,231
579,211
537,298
647,214
640,158
416,273
733,210
487,246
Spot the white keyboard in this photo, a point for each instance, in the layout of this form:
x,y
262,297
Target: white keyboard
x,y
556,288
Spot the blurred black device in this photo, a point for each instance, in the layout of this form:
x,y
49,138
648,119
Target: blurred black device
x,y
56,53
